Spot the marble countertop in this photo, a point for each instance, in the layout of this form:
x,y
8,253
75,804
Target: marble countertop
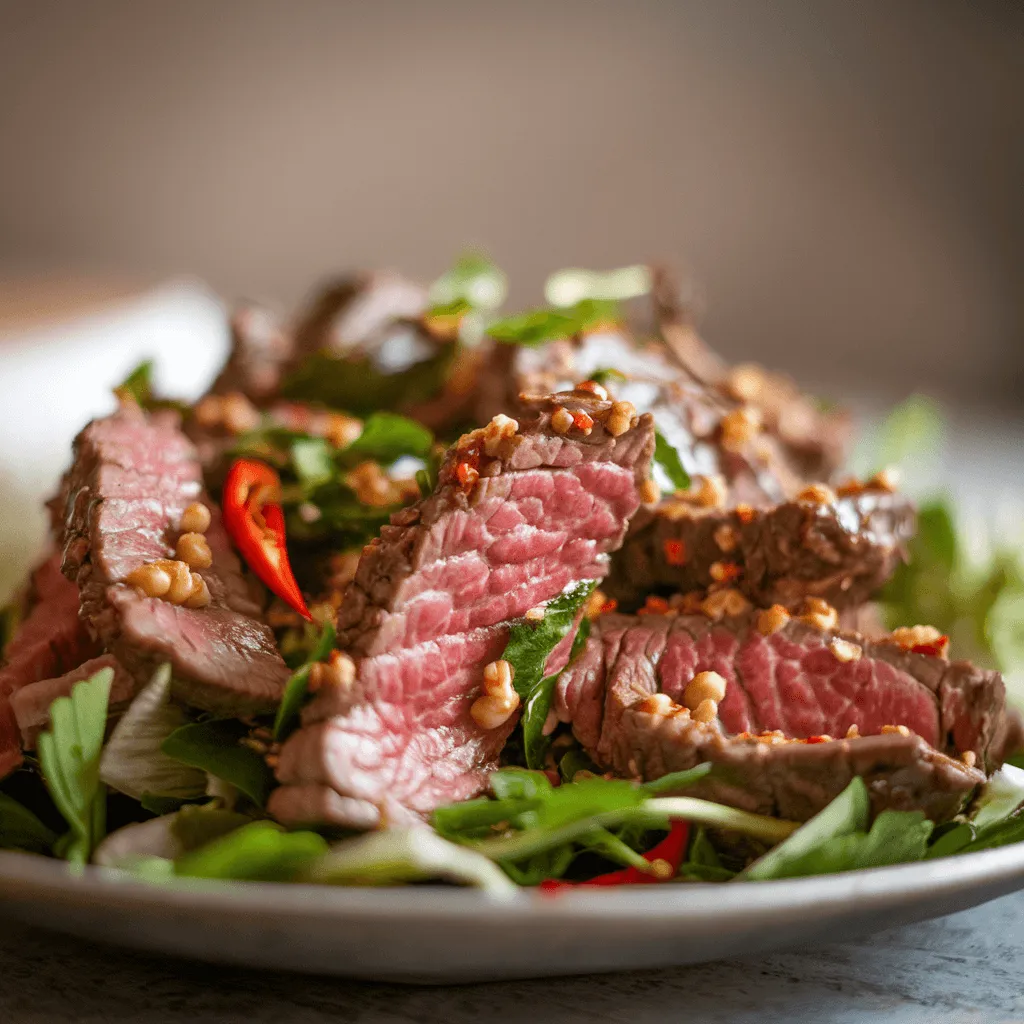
x,y
963,969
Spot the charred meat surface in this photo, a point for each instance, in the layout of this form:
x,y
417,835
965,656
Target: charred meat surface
x,y
131,481
803,710
521,510
50,641
842,549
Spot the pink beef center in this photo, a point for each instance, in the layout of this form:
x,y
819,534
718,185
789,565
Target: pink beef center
x,y
801,689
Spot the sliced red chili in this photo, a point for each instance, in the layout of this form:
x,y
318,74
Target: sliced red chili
x,y
255,522
671,849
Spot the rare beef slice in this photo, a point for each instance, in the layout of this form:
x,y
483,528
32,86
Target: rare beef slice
x,y
805,709
521,511
132,478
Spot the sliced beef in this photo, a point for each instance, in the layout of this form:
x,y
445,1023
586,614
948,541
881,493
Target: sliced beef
x,y
517,515
794,684
31,704
841,550
51,640
132,478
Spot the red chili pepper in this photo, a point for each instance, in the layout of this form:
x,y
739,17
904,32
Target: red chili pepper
x,y
255,522
671,849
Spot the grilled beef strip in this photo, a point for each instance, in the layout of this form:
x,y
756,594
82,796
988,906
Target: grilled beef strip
x,y
520,512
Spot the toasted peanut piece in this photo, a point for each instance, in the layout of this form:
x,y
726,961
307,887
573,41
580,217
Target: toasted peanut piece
x,y
853,733
239,414
561,421
707,491
902,730
704,686
887,479
498,677
195,518
819,494
181,580
739,428
338,671
150,580
819,613
650,492
199,597
721,603
725,538
745,382
844,650
913,637
194,549
501,429
706,712
341,430
620,416
969,758
491,712
659,704
771,620
591,387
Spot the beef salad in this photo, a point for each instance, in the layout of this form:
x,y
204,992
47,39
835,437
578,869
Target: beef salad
x,y
420,592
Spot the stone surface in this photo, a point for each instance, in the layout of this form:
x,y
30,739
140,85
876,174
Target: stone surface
x,y
964,969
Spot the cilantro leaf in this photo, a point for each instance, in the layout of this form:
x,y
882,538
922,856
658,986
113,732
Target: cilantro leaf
x,y
138,385
527,651
474,282
133,762
298,685
20,829
259,852
668,458
69,755
214,747
313,461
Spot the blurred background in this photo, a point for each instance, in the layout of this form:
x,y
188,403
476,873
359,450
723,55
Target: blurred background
x,y
841,181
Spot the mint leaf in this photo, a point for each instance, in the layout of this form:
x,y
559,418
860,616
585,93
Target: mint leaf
x,y
533,328
668,458
69,755
527,651
20,829
133,762
386,437
298,686
474,282
259,852
214,747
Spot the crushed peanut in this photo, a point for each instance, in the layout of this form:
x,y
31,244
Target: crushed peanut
x,y
745,513
853,733
889,730
620,418
599,603
706,712
238,414
739,428
819,613
706,492
702,687
844,650
650,493
771,620
819,494
561,420
887,480
150,580
660,704
341,430
194,549
195,518
724,572
371,484
687,604
583,422
534,614
969,758
724,603
745,382
199,597
591,387
500,430
920,640
726,538
338,672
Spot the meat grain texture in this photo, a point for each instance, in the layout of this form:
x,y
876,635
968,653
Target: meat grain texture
x,y
431,605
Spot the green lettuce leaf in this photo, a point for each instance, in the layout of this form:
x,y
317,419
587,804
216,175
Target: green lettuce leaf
x,y
387,437
527,651
133,762
214,747
69,755
539,326
474,282
258,852
20,829
403,856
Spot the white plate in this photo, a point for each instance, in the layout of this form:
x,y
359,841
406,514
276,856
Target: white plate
x,y
434,934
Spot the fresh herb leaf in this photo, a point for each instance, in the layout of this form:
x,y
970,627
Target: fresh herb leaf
x,y
579,642
572,285
474,282
911,433
676,782
298,686
259,852
574,761
133,762
668,458
214,747
606,375
354,384
138,385
527,651
69,755
313,461
533,328
20,829
402,856
386,437
1000,798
